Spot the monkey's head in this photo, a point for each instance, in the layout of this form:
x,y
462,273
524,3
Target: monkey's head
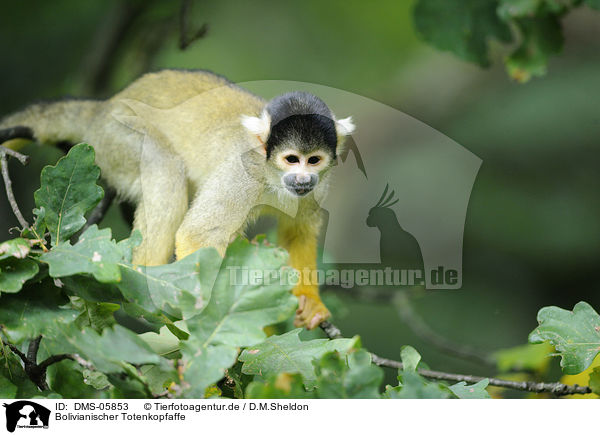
x,y
301,139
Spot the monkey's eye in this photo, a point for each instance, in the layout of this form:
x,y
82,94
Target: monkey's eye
x,y
314,160
292,159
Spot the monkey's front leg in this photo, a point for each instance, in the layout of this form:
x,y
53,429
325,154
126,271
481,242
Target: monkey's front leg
x,y
219,210
300,239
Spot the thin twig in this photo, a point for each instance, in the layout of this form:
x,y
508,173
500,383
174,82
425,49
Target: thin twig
x,y
17,155
425,333
555,388
16,132
184,40
9,192
54,359
15,350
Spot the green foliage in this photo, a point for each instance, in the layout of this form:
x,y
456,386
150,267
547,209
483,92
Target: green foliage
x,y
205,332
347,377
528,357
465,28
18,248
595,381
14,273
279,386
68,191
337,376
235,316
411,384
7,388
575,335
95,253
286,353
475,391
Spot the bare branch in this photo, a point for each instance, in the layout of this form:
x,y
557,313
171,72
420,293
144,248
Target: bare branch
x,y
54,359
555,388
21,157
16,132
34,346
9,192
184,40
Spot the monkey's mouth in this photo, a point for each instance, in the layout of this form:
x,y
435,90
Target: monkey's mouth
x,y
300,190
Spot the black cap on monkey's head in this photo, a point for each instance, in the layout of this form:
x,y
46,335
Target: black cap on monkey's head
x,y
300,120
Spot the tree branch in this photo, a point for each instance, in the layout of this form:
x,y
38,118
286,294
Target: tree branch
x,y
8,186
37,372
54,359
34,346
184,40
555,388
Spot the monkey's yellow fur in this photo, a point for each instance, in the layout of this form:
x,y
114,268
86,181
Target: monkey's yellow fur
x,y
172,143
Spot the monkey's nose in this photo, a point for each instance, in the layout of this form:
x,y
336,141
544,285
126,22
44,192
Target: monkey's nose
x,y
302,178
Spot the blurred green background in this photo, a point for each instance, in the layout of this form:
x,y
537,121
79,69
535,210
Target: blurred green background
x,y
532,229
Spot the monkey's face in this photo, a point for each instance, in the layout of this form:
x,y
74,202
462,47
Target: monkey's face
x,y
300,172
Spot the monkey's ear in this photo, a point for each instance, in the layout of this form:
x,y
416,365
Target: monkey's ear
x,y
345,127
258,126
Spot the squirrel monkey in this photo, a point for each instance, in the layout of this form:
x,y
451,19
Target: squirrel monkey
x,y
201,157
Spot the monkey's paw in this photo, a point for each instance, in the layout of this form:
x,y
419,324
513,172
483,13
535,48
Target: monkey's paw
x,y
310,313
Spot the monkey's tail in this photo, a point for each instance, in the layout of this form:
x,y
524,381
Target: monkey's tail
x,y
49,123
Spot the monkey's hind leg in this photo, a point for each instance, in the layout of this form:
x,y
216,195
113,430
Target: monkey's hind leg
x,y
300,240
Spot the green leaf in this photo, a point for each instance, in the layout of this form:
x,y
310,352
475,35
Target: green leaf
x,y
97,315
181,289
475,391
412,385
461,26
541,37
16,272
279,386
594,383
95,379
18,248
8,390
38,229
236,314
287,354
356,379
32,311
160,376
69,190
165,343
575,335
95,253
11,369
528,357
107,351
410,358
